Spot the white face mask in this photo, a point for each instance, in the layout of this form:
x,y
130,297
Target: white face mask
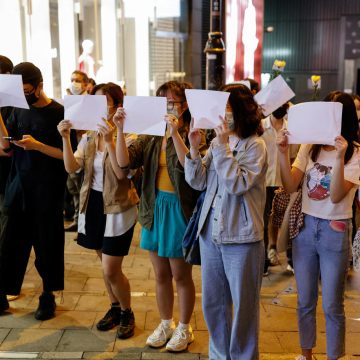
x,y
76,88
229,117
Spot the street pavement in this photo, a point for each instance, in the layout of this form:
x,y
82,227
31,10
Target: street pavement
x,y
72,334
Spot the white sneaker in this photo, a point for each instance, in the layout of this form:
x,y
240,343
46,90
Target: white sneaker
x,y
273,257
180,339
291,271
300,357
160,335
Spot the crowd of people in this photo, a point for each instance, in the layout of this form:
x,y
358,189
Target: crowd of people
x,y
241,170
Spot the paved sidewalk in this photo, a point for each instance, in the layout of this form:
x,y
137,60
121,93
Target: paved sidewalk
x,y
72,334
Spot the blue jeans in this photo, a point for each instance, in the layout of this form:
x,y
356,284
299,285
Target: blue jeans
x,y
231,276
320,249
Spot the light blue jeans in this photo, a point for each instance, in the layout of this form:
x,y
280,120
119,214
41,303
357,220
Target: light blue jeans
x,y
231,281
318,249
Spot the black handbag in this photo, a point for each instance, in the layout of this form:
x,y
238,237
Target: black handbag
x,y
190,243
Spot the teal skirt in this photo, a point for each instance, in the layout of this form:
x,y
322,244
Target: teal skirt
x,y
168,228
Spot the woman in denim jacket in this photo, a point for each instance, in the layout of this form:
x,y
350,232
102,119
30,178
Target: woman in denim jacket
x,y
231,226
330,178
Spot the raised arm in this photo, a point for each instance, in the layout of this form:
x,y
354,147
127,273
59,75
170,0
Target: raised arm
x,y
107,131
339,187
4,144
290,177
70,162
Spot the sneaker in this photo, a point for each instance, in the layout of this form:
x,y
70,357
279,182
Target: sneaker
x,y
300,357
110,320
273,257
180,339
4,304
161,335
291,271
127,324
46,308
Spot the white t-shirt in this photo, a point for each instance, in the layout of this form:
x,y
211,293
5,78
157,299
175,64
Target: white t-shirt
x,y
316,185
116,224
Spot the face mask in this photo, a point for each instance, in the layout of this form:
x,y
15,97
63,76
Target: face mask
x,y
76,88
229,117
31,99
280,113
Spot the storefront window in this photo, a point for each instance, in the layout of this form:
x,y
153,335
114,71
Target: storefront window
x,y
111,40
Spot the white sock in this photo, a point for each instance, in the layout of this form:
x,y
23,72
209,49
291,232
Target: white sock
x,y
167,323
183,326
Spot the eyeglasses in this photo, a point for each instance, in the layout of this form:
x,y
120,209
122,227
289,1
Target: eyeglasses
x,y
170,104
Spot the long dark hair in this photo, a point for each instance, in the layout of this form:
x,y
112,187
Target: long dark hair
x,y
246,112
349,124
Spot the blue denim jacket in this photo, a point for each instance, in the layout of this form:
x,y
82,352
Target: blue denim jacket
x,y
235,187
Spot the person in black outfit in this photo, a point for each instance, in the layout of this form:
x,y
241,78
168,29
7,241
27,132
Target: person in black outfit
x,y
33,203
6,67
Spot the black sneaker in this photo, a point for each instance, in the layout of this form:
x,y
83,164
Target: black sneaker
x,y
127,324
4,304
110,320
46,308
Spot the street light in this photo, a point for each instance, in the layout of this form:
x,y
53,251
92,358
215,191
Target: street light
x,y
215,47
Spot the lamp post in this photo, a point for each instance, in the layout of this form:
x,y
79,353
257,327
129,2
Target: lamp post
x,y
215,47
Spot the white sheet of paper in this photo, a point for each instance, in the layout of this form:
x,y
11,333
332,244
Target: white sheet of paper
x,y
316,122
12,92
85,111
275,94
145,115
206,106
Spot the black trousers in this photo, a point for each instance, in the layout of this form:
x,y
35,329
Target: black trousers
x,y
22,230
270,193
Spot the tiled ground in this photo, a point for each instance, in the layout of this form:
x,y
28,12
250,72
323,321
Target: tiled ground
x,y
73,335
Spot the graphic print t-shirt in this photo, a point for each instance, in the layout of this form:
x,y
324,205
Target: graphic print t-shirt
x,y
316,185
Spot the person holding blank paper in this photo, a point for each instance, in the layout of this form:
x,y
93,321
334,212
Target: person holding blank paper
x,y
108,211
33,204
231,226
166,205
330,177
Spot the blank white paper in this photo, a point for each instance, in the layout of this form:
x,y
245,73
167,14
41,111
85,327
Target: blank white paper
x,y
206,107
145,115
85,112
316,122
12,91
275,94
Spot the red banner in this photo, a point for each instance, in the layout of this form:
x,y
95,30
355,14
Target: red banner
x,y
244,38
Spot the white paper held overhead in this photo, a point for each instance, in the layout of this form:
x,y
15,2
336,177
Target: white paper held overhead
x,y
12,91
275,94
316,122
145,115
206,107
85,112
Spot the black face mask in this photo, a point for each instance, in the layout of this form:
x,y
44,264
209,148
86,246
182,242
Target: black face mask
x,y
280,112
31,98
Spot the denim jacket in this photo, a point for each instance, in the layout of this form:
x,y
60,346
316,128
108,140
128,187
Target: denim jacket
x,y
235,189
